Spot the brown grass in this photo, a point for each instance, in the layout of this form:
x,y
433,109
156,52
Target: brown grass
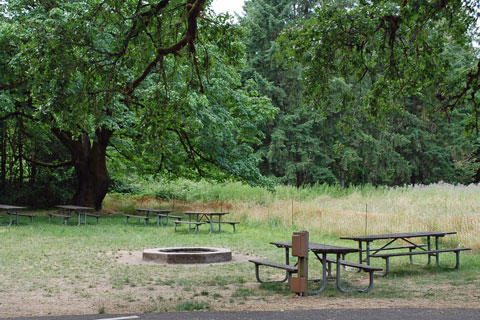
x,y
310,215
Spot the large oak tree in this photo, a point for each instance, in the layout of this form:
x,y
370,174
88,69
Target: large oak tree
x,y
156,80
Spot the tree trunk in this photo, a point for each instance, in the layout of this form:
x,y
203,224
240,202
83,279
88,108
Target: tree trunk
x,y
90,167
3,156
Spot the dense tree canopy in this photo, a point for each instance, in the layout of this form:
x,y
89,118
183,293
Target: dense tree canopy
x,y
156,77
303,92
369,66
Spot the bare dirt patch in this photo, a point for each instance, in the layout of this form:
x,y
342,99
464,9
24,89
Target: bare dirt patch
x,y
166,298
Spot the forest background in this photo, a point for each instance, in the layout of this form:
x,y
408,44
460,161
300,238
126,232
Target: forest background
x,y
100,97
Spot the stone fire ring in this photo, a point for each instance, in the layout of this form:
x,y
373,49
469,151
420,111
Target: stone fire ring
x,y
187,255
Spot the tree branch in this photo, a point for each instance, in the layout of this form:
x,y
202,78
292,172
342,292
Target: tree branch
x,y
194,8
50,165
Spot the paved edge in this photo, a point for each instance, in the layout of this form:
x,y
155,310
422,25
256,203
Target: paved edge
x,y
331,314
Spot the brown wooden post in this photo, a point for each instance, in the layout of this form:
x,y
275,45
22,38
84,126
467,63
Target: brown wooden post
x,y
299,284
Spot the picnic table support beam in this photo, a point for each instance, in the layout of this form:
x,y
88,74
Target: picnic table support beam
x,y
339,284
324,274
11,219
429,247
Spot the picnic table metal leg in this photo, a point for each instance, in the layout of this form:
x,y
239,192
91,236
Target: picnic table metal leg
x,y
360,253
429,256
287,262
360,258
368,252
211,223
387,267
324,276
11,219
339,284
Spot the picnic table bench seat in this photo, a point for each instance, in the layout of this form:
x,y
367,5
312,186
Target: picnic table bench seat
x,y
411,247
13,214
387,256
260,262
65,217
232,223
136,216
93,215
168,216
365,267
189,223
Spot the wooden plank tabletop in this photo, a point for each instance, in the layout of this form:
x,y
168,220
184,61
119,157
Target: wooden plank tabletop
x,y
153,210
317,247
8,207
399,235
71,207
206,213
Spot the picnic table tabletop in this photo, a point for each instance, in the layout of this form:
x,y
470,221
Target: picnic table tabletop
x,y
154,210
317,247
399,235
208,216
205,213
12,212
8,207
74,208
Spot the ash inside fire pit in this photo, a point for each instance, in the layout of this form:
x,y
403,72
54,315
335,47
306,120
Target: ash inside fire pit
x,y
179,255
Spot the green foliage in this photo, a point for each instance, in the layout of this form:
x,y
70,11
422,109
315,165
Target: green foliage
x,y
375,76
155,85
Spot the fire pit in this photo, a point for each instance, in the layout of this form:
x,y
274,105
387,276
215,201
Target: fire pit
x,y
179,255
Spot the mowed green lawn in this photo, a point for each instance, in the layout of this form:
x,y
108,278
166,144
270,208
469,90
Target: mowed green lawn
x,y
57,269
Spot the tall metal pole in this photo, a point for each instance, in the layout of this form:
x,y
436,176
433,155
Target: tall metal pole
x,y
366,217
292,212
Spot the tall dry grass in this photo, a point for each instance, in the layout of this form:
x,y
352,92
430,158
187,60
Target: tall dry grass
x,y
439,207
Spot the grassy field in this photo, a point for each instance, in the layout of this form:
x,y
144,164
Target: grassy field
x,y
331,210
57,269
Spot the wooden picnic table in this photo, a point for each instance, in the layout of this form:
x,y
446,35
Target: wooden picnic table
x,y
81,212
12,211
208,217
414,248
321,251
160,213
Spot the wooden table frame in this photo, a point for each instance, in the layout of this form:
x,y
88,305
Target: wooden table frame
x,y
159,212
392,237
323,250
78,210
12,211
208,216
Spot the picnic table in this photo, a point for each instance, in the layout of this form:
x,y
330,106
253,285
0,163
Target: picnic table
x,y
320,251
13,213
81,212
160,213
392,248
208,217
